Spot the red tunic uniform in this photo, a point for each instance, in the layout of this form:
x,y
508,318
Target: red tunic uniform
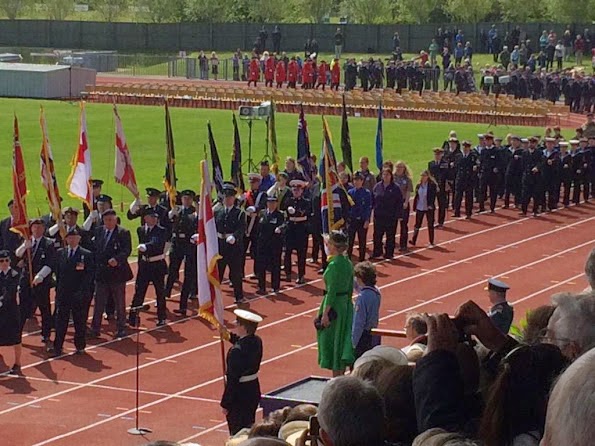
x,y
292,71
308,73
269,69
322,73
254,70
336,74
280,72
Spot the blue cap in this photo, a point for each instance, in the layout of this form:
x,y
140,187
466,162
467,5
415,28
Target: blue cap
x,y
497,285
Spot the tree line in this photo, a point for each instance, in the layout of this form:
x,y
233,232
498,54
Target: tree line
x,y
312,11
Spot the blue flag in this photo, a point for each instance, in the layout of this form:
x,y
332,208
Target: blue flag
x,y
379,158
304,157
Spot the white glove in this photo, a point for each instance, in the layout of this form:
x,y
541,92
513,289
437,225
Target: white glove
x,y
194,238
142,247
54,230
277,230
291,210
231,240
20,251
135,206
27,244
251,209
37,280
94,215
174,212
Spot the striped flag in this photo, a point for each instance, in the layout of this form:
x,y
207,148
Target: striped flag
x,y
236,158
346,139
48,172
330,199
169,180
379,140
217,169
123,169
20,222
79,182
273,140
209,288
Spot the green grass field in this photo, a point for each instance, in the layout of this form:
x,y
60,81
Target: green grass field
x,y
411,141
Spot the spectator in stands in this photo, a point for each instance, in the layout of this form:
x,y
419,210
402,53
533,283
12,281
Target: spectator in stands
x,y
579,49
214,65
433,50
468,52
415,331
505,57
459,52
572,326
570,410
567,41
515,407
590,271
367,308
543,40
351,413
559,55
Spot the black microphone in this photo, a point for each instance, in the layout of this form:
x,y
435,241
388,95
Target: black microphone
x,y
145,307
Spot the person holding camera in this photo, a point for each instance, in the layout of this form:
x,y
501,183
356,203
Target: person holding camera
x,y
335,316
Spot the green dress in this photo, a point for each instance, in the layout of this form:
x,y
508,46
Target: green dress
x,y
335,349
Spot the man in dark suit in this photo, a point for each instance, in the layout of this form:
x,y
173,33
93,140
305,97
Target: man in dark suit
x,y
74,273
531,179
439,169
9,240
231,228
466,171
151,267
112,247
37,277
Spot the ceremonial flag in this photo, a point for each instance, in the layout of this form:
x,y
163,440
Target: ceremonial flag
x,y
169,181
79,182
20,222
123,169
330,199
379,158
346,139
48,172
236,158
273,140
217,169
303,147
210,302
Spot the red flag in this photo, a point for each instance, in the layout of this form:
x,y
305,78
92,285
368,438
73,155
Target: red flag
x,y
123,170
79,182
209,288
48,172
20,222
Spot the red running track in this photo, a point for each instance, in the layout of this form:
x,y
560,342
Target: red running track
x,y
89,399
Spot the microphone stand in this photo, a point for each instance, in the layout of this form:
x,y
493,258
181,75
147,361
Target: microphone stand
x,y
138,430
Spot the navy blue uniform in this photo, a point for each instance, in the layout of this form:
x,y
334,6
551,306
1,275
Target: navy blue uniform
x,y
231,222
269,247
513,177
566,176
440,170
465,167
550,193
531,181
490,169
501,315
359,215
297,234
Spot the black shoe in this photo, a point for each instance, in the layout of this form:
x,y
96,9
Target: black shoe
x,y
121,334
411,242
457,215
320,271
440,225
287,278
492,211
56,354
300,281
241,301
276,290
468,217
132,320
193,297
161,322
80,351
261,291
181,312
92,334
15,370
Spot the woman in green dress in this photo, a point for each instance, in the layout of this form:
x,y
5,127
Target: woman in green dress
x,y
335,349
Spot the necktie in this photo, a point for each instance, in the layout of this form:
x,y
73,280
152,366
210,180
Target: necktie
x,y
34,247
70,253
108,234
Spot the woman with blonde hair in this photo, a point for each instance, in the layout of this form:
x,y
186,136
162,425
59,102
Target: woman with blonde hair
x,y
402,178
335,316
424,205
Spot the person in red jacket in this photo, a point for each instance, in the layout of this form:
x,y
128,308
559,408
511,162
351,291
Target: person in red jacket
x,y
269,71
254,71
335,75
321,79
280,73
292,73
308,75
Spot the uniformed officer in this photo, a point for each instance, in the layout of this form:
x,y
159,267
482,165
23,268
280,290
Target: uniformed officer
x,y
466,171
94,220
514,172
9,240
359,216
580,169
490,171
231,229
271,232
183,222
452,153
439,168
69,223
531,180
298,209
136,208
97,185
151,267
550,176
242,388
565,172
501,313
75,269
254,201
10,319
